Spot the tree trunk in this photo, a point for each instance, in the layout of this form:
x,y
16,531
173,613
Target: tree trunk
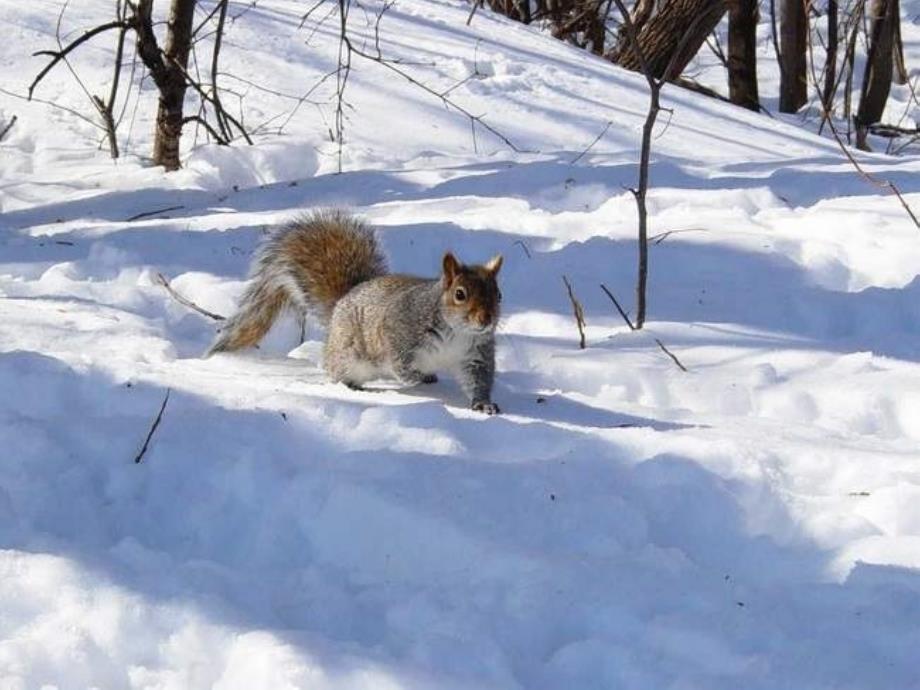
x,y
879,68
172,88
742,53
671,37
901,75
793,34
830,64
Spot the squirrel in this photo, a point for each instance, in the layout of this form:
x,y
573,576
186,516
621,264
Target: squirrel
x,y
378,324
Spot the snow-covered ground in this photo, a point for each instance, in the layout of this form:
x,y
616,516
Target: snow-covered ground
x,y
753,522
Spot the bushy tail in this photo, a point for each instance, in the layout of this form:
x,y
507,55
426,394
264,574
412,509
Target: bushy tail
x,y
308,264
258,310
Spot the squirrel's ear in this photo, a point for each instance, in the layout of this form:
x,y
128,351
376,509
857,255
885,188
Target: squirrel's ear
x,y
451,268
494,264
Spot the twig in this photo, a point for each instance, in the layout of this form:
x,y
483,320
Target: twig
x,y
578,311
153,213
9,126
633,328
670,354
619,308
153,428
524,247
591,145
161,279
662,236
215,55
58,55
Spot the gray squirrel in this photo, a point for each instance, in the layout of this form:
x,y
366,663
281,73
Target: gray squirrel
x,y
378,324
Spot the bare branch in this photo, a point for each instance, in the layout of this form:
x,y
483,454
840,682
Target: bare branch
x,y
186,302
670,354
58,55
8,127
153,428
591,145
619,308
157,212
578,312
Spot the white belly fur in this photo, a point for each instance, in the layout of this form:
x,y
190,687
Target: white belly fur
x,y
446,355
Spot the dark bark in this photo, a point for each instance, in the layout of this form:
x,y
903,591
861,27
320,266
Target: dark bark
x,y
173,86
670,37
830,64
901,75
743,16
633,39
793,34
879,68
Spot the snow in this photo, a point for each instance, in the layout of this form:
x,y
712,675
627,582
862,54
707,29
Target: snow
x,y
752,522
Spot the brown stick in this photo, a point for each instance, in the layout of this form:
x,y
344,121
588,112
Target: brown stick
x,y
671,355
152,213
633,328
9,126
591,145
578,311
619,308
153,428
185,301
58,55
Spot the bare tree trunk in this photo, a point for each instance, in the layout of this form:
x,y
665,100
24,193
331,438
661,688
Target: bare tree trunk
x,y
901,75
640,14
830,63
172,90
671,37
743,16
793,33
879,67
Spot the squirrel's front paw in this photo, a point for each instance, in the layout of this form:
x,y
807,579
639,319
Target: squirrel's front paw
x,y
485,406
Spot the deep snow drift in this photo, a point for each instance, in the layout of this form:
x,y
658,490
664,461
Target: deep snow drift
x,y
753,522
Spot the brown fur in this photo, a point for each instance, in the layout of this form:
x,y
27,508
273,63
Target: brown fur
x,y
482,296
329,253
309,264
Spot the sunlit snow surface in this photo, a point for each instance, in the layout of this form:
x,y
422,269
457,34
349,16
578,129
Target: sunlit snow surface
x,y
751,523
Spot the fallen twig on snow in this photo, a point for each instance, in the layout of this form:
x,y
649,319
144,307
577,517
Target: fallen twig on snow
x,y
671,355
153,428
633,328
185,301
9,126
146,214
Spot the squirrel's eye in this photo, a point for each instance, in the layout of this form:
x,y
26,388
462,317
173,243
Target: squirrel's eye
x,y
499,293
460,294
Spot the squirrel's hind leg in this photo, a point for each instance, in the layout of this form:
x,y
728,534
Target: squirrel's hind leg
x,y
346,366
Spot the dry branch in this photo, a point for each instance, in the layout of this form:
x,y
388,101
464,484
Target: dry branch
x,y
633,328
8,127
619,308
153,428
147,214
670,354
185,301
578,311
